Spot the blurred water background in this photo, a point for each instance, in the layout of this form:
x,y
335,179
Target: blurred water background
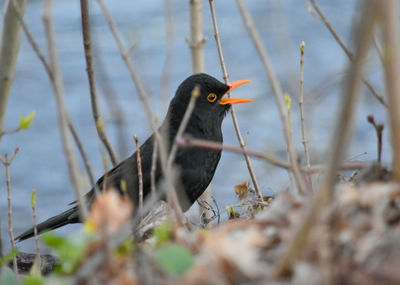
x,y
283,25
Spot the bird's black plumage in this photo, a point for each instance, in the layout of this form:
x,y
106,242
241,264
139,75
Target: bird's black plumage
x,y
196,165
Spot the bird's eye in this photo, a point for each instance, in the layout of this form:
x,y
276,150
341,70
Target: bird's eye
x,y
211,97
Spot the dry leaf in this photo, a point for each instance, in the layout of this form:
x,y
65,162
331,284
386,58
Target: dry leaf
x,y
109,212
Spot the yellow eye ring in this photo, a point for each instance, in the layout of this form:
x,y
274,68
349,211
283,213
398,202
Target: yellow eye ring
x,y
211,97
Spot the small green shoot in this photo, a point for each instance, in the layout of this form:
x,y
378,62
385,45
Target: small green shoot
x,y
26,121
163,233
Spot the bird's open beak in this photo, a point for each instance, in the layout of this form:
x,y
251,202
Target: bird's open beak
x,y
233,85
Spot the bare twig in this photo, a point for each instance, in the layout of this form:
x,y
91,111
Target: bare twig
x,y
49,72
58,88
145,101
379,130
378,48
153,170
388,12
171,195
7,162
340,137
10,132
110,95
35,232
277,90
349,54
92,84
182,126
187,141
288,102
84,156
233,113
140,173
196,39
9,46
135,77
196,43
303,127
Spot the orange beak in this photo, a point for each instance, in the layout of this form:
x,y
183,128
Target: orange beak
x,y
233,85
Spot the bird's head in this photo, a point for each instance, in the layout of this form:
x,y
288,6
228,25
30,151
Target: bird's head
x,y
212,103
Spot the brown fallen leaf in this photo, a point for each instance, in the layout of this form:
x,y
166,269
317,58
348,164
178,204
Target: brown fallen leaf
x,y
109,212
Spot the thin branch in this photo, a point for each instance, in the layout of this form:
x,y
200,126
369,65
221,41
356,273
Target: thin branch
x,y
57,83
277,90
92,84
233,113
171,195
349,54
140,173
49,72
9,47
388,16
35,231
84,156
132,71
182,126
196,41
7,162
378,48
336,149
153,170
302,123
288,101
10,132
187,141
303,127
145,101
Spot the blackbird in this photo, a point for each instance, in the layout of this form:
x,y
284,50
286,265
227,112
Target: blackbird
x,y
196,165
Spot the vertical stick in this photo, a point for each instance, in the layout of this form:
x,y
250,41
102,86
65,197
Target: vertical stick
x,y
9,46
7,162
72,163
233,113
324,196
92,84
35,232
140,173
196,40
276,88
196,43
303,127
390,30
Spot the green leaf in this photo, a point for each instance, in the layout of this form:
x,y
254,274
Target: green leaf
x,y
5,259
163,233
25,122
33,280
174,259
69,251
127,247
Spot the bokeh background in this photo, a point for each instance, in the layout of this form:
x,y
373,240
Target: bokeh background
x,y
283,25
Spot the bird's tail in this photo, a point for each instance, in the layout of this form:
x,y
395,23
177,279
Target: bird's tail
x,y
68,217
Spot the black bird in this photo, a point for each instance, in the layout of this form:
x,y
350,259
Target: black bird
x,y
196,166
